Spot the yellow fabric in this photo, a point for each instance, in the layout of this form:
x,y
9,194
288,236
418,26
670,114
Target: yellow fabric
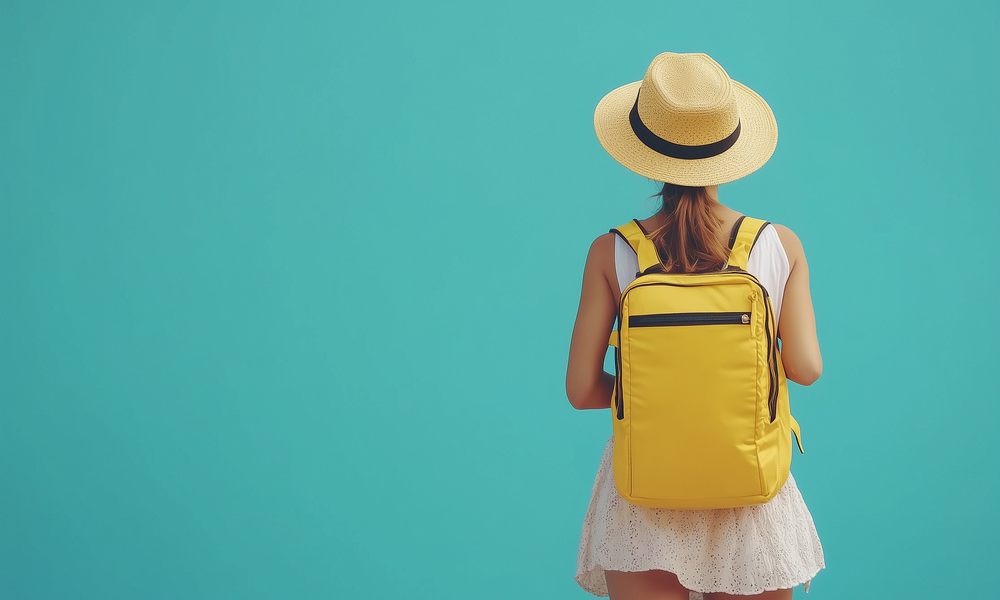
x,y
692,404
641,245
739,256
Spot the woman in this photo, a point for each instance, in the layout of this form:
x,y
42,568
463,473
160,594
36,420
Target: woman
x,y
687,124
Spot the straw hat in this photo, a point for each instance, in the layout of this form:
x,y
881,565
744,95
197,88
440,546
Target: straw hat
x,y
687,123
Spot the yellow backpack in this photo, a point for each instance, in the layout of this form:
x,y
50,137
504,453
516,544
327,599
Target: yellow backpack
x,y
700,407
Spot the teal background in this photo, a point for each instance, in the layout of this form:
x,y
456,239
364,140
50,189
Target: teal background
x,y
286,288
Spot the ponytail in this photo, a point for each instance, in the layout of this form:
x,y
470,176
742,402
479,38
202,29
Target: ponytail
x,y
688,241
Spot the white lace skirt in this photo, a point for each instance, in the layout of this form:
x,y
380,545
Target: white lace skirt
x,y
742,551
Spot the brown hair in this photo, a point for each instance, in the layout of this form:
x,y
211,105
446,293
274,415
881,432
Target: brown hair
x,y
688,241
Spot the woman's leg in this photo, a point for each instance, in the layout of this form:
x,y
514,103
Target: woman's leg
x,y
645,585
773,595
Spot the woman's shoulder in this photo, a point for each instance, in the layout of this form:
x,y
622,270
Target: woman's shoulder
x,y
602,244
601,259
790,243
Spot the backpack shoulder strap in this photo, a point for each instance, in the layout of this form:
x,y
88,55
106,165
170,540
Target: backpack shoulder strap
x,y
644,249
745,235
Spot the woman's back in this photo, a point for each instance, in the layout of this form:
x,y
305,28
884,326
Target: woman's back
x,y
777,260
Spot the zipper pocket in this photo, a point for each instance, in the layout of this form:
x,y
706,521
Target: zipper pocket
x,y
772,344
688,319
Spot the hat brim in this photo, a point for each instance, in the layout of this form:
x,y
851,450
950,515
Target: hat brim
x,y
758,138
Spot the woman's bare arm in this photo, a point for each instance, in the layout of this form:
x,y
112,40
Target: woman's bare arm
x,y
797,329
587,384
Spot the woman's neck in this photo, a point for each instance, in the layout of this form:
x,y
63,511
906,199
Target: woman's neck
x,y
713,192
722,211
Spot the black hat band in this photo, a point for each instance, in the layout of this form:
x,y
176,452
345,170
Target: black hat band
x,y
662,146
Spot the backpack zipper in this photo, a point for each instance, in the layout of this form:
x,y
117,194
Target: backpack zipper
x,y
687,319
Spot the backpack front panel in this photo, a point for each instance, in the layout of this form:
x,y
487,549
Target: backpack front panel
x,y
694,386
